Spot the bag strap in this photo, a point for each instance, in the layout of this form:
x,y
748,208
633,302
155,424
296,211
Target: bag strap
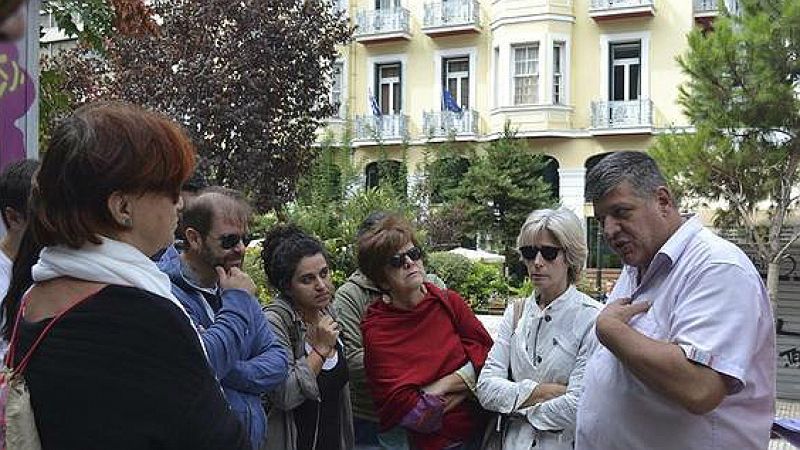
x,y
15,333
519,307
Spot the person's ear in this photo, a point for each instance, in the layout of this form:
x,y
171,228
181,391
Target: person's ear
x,y
194,239
15,219
120,207
664,201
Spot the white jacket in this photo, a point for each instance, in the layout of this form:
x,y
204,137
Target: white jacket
x,y
548,346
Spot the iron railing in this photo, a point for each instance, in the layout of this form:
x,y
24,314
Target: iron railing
x,y
615,4
448,123
376,128
622,114
451,13
382,21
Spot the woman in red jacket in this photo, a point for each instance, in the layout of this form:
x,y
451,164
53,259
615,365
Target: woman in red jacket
x,y
423,346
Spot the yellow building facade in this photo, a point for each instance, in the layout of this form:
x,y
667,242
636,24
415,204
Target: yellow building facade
x,y
574,78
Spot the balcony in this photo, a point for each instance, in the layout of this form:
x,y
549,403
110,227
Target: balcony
x,y
382,25
451,17
446,124
705,11
627,117
601,10
381,128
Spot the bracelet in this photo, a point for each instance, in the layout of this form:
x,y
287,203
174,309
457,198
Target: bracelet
x,y
319,353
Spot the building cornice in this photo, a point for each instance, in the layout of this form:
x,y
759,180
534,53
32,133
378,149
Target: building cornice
x,y
546,17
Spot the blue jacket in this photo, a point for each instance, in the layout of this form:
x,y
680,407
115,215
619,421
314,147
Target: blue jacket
x,y
242,349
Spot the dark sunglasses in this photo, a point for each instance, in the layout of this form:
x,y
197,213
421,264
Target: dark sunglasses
x,y
398,260
228,241
529,252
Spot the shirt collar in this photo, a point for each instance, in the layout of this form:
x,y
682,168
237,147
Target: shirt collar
x,y
670,251
557,302
188,276
677,243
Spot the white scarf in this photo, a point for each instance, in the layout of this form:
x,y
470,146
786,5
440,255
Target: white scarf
x,y
111,262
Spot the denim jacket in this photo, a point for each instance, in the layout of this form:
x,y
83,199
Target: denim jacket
x,y
242,349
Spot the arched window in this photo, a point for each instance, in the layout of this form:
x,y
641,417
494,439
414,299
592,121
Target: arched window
x,y
550,175
444,175
386,172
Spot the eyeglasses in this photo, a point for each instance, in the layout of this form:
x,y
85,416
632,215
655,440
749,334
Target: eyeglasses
x,y
398,260
228,241
529,252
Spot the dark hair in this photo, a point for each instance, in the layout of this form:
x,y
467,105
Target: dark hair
x,y
637,168
8,8
196,182
199,213
21,279
100,149
370,221
283,248
15,187
378,244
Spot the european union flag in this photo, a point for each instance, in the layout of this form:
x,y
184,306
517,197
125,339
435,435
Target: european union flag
x,y
450,103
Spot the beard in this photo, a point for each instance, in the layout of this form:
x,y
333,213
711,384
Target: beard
x,y
225,259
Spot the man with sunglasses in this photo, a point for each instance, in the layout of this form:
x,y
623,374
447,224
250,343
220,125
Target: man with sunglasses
x,y
220,298
688,343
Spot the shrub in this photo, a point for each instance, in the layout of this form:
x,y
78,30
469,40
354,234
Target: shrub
x,y
253,267
484,282
453,269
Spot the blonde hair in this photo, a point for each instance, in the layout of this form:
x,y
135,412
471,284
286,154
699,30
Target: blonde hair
x,y
566,229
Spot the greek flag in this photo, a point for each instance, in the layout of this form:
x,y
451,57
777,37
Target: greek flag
x,y
376,109
450,103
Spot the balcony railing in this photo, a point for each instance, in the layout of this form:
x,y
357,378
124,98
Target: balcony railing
x,y
453,13
381,22
380,128
705,6
448,123
622,114
620,4
607,9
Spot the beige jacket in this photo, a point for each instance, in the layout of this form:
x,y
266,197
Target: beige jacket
x,y
300,385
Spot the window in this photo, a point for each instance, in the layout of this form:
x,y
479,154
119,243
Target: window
x,y
337,82
387,4
455,79
558,73
526,74
388,87
625,71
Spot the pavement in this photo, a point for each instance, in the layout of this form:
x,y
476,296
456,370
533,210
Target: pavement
x,y
784,408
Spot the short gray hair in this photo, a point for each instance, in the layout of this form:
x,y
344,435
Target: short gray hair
x,y
567,230
637,168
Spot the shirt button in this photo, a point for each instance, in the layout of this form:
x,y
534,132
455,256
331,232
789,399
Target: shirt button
x,y
533,444
555,342
538,359
547,318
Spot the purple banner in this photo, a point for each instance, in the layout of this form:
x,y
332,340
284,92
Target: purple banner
x,y
17,93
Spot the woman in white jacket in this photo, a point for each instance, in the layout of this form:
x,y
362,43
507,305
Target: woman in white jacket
x,y
534,372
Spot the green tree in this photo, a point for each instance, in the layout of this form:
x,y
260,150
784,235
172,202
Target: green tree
x,y
249,80
502,187
741,97
92,23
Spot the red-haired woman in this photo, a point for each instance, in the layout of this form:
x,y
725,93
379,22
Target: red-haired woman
x,y
423,348
120,365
